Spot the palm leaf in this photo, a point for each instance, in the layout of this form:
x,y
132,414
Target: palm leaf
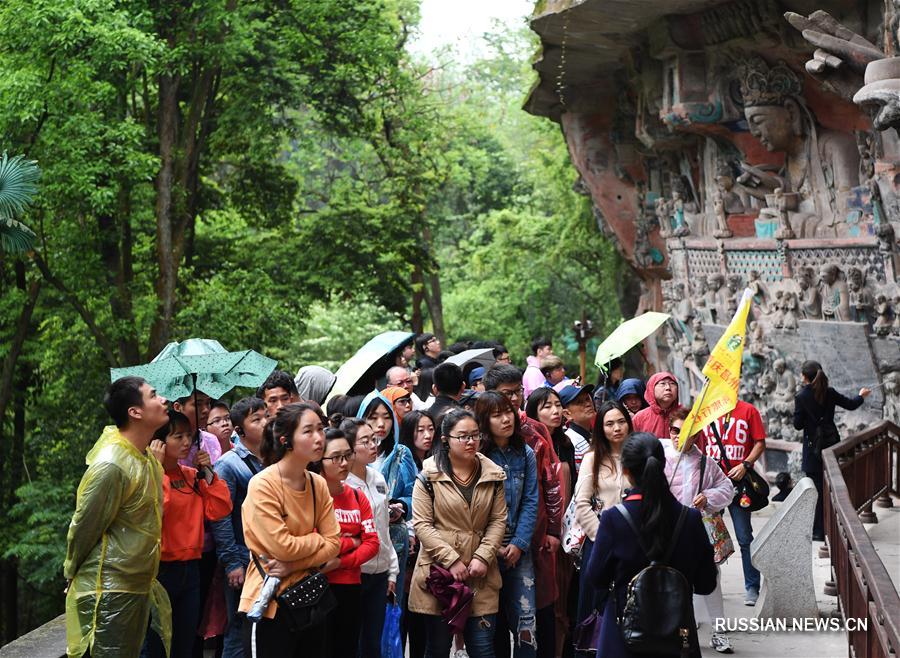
x,y
15,237
18,178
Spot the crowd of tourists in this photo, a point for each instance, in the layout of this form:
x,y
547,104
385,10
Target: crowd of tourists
x,y
483,509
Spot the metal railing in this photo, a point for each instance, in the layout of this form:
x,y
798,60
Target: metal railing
x,y
858,472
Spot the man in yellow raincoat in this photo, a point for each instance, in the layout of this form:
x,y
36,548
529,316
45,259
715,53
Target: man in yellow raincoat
x,y
113,541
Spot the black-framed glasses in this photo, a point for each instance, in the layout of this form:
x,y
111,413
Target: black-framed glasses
x,y
674,430
224,420
467,438
513,393
336,459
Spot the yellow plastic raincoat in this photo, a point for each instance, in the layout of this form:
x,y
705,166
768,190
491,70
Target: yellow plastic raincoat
x,y
113,553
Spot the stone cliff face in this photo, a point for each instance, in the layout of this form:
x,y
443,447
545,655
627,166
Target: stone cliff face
x,y
722,148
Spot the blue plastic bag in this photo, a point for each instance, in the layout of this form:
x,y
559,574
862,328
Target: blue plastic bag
x,y
391,643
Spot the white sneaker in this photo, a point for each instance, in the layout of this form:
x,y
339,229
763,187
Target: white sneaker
x,y
751,597
721,643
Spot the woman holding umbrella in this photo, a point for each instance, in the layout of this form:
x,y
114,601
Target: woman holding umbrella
x,y
459,514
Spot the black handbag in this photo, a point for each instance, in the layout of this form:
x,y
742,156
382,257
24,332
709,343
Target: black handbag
x,y
753,485
309,601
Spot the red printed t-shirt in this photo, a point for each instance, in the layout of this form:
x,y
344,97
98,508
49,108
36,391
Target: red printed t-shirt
x,y
745,426
354,514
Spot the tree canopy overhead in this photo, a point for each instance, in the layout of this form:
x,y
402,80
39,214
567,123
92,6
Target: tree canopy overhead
x,y
280,176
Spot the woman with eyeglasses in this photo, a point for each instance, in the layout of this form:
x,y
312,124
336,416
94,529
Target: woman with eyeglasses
x,y
379,574
417,434
359,543
399,470
697,482
459,514
502,443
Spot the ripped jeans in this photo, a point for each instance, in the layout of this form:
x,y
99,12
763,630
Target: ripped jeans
x,y
517,610
478,633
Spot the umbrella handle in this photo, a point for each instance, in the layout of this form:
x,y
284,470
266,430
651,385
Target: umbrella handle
x,y
196,412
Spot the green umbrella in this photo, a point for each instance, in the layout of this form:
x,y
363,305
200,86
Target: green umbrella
x,y
200,364
627,335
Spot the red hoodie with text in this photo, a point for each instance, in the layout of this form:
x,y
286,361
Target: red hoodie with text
x,y
354,514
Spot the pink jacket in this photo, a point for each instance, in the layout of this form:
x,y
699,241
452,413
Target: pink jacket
x,y
653,419
533,378
684,483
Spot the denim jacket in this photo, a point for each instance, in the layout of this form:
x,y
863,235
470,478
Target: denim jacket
x,y
229,532
521,491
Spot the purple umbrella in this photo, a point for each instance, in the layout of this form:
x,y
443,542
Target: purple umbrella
x,y
455,597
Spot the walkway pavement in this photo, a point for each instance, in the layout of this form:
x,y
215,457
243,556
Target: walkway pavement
x,y
771,644
885,535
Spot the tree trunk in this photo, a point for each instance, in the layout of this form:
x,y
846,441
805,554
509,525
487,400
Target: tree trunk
x,y
9,601
418,287
434,300
166,201
11,566
436,307
23,327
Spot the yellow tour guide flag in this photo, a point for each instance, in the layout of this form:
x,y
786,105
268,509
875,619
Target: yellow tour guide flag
x,y
723,375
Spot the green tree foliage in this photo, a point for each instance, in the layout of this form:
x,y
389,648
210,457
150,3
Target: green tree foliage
x,y
276,175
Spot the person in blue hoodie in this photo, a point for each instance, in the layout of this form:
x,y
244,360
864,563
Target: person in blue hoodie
x,y
397,465
631,394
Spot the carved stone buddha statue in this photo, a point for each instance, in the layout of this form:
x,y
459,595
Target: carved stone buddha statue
x,y
821,166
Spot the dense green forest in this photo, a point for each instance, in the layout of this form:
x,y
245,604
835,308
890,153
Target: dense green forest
x,y
280,176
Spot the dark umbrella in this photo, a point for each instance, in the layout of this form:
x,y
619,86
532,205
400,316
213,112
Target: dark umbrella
x,y
361,371
454,597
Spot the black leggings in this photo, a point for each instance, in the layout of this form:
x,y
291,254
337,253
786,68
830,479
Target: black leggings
x,y
276,637
344,621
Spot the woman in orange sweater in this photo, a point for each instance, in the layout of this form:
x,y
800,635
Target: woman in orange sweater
x,y
289,525
189,496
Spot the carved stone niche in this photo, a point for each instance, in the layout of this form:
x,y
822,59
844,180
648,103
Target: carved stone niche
x,y
686,96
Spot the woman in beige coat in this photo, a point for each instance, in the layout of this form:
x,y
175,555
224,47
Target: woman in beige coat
x,y
459,515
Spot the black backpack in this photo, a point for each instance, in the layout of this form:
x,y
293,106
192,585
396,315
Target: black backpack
x,y
659,610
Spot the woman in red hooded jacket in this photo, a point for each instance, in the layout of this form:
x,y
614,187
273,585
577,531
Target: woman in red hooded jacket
x,y
662,396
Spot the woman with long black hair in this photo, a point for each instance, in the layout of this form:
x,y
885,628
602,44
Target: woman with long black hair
x,y
396,463
814,409
619,553
600,486
503,444
417,434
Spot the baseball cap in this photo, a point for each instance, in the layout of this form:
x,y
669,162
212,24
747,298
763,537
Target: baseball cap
x,y
568,394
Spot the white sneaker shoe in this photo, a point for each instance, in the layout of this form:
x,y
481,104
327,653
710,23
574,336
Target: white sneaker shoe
x,y
721,643
751,597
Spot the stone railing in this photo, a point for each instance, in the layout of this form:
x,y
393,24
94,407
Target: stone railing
x,y
47,641
860,471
